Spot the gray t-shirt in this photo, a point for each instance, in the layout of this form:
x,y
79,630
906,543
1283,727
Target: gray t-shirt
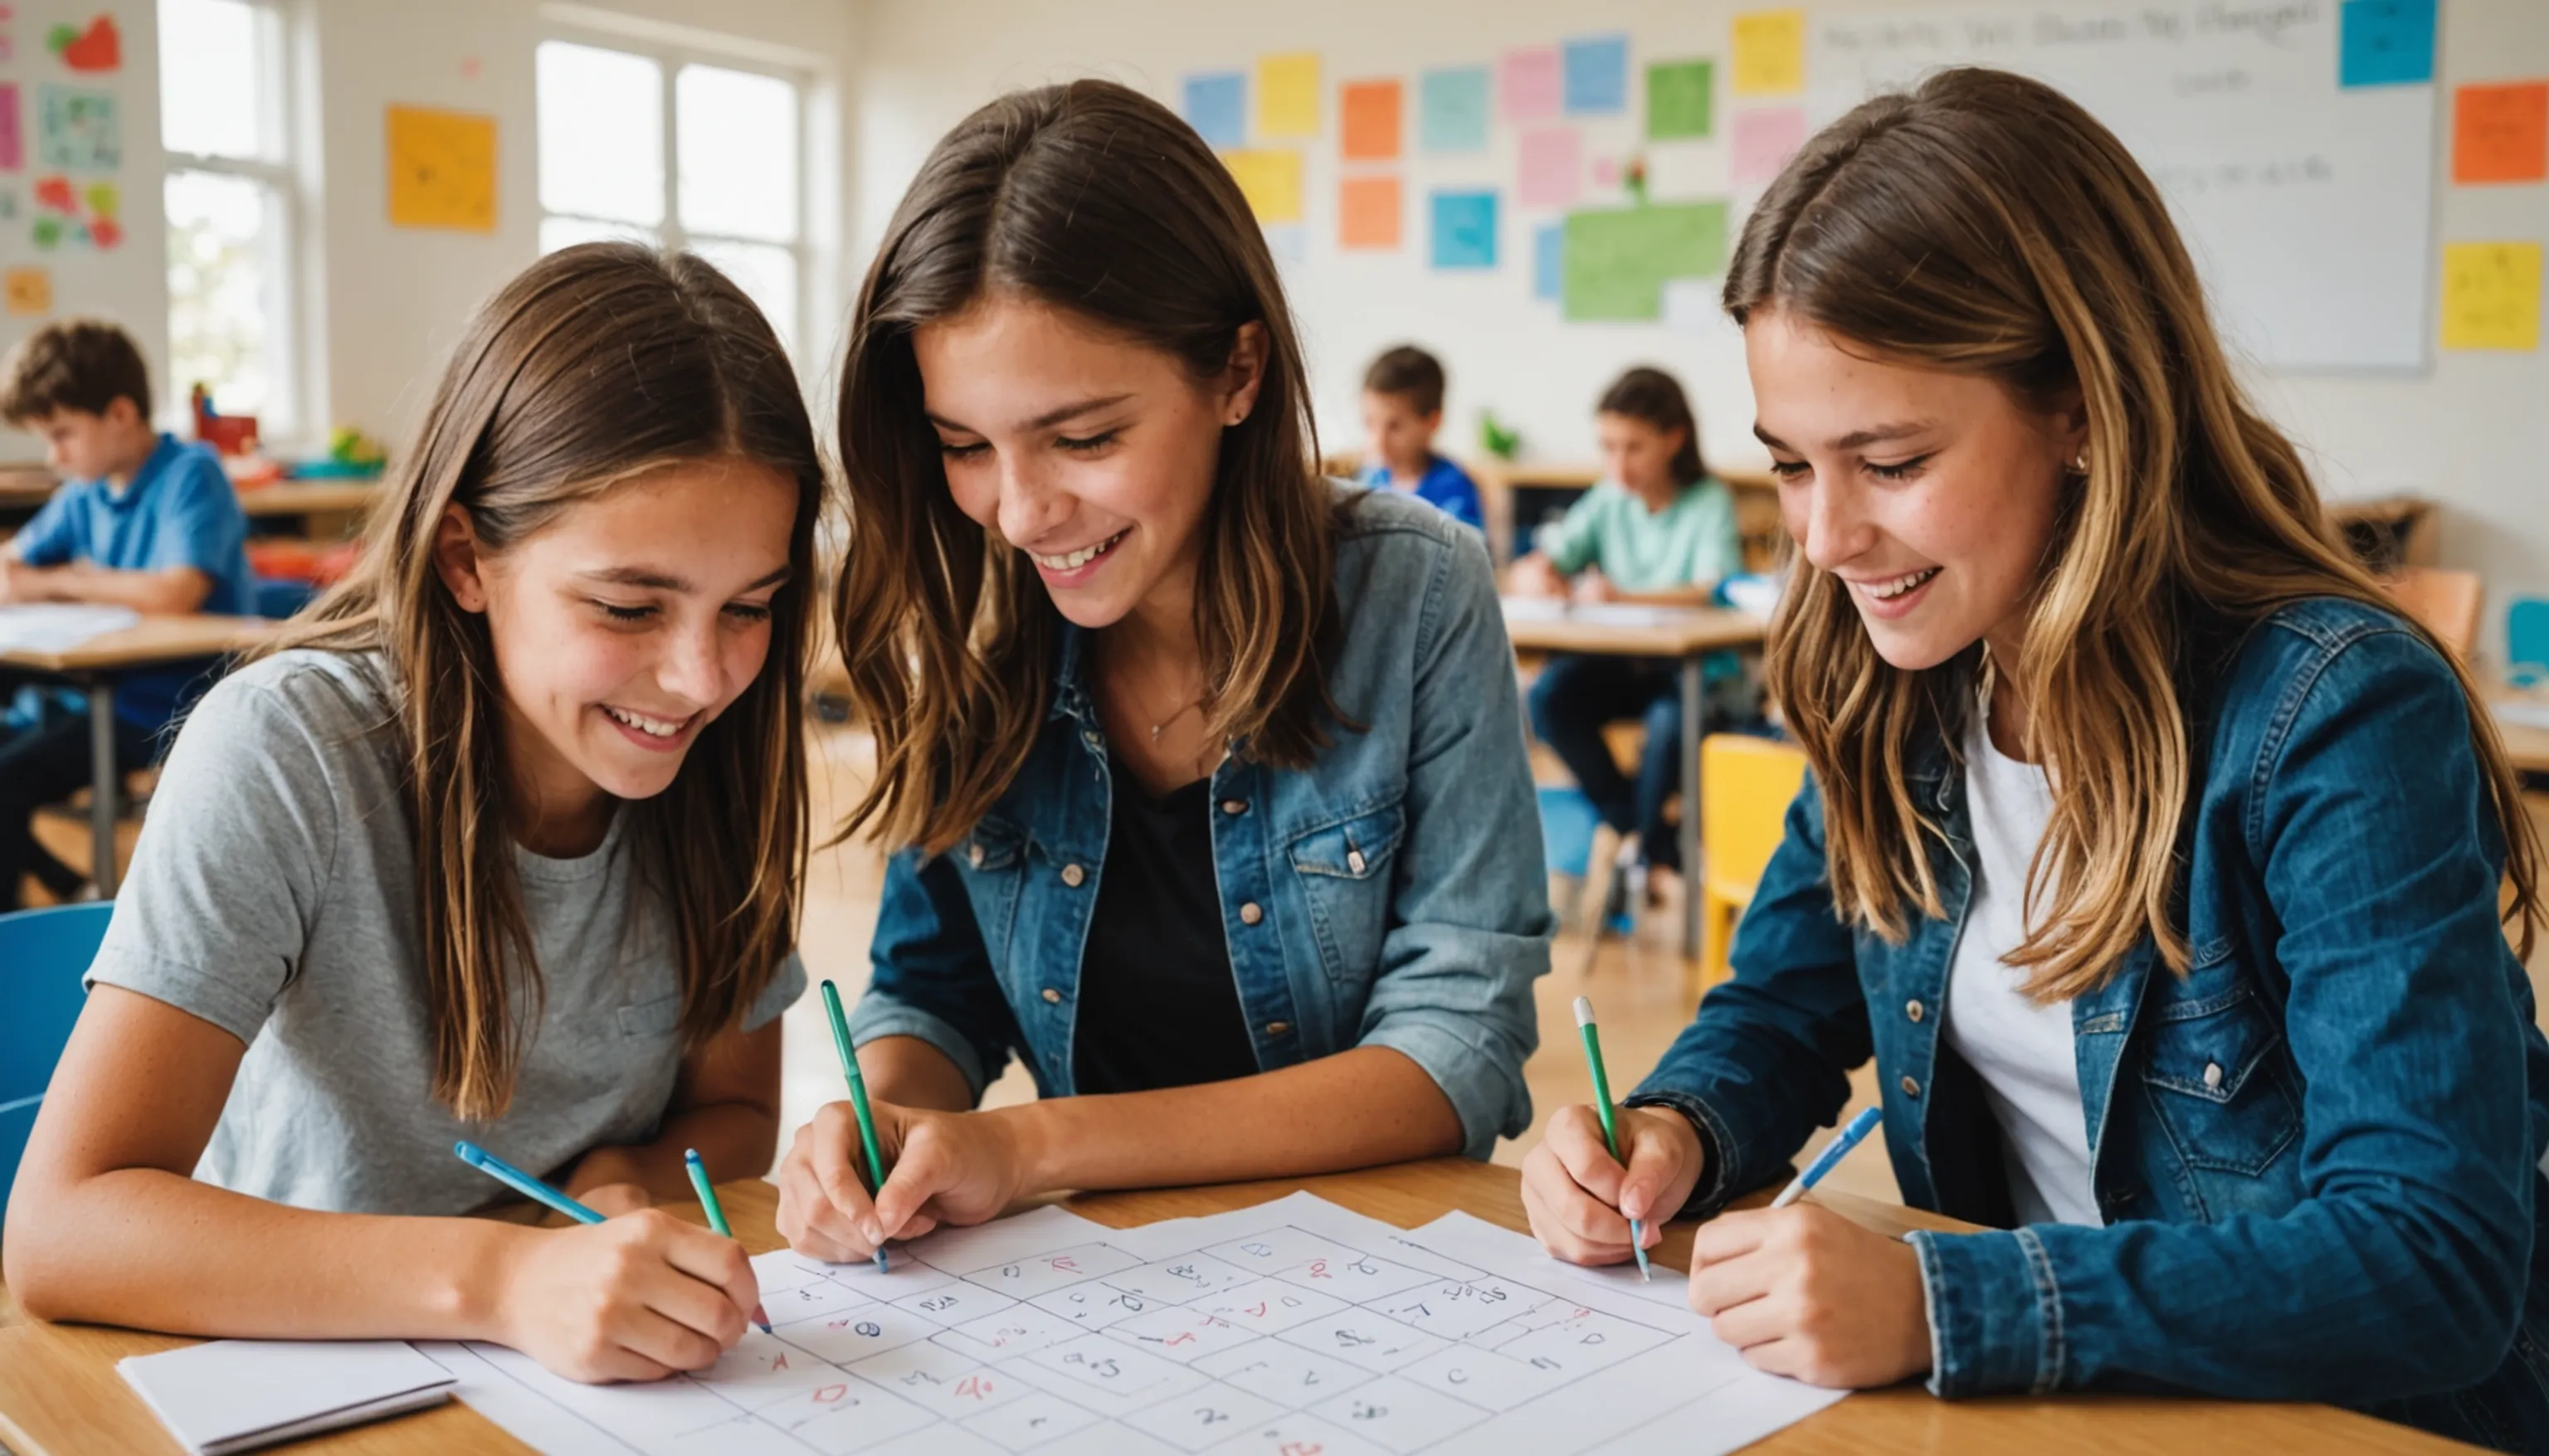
x,y
273,894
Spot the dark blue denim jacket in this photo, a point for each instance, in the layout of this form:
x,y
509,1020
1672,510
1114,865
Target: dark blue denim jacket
x,y
2316,1151
1391,894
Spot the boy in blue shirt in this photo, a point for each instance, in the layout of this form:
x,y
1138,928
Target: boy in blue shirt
x,y
1402,408
141,520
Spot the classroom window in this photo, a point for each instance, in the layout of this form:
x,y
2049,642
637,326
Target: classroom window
x,y
229,209
683,151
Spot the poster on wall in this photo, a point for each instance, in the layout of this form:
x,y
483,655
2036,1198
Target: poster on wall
x,y
77,129
93,50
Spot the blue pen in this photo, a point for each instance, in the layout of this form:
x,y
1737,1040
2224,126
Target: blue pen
x,y
1834,1151
522,1183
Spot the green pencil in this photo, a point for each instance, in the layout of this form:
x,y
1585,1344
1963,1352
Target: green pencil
x,y
858,1098
1610,1126
716,1215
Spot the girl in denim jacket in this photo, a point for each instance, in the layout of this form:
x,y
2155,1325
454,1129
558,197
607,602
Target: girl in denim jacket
x,y
2151,854
1206,774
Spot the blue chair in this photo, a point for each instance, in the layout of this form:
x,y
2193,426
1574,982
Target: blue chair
x,y
43,955
2527,638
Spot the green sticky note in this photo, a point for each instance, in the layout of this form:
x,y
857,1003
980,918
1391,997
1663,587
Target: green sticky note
x,y
1678,97
1616,260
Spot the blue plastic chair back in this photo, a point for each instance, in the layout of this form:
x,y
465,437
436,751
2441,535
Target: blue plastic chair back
x,y
2527,637
43,955
1567,822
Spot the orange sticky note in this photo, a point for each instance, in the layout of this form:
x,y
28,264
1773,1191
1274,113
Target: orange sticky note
x,y
31,290
443,170
2500,132
1372,112
1367,213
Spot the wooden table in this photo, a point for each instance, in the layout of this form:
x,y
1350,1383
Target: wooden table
x,y
91,666
309,498
1686,634
2528,744
60,1395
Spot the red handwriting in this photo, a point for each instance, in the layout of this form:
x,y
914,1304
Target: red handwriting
x,y
831,1393
974,1387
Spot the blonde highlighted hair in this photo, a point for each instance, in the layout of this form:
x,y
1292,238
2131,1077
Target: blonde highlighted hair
x,y
595,365
1985,224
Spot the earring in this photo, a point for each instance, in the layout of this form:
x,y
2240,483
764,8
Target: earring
x,y
2080,463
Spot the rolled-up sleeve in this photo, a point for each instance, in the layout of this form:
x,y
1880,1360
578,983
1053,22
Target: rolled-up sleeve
x,y
933,978
1470,923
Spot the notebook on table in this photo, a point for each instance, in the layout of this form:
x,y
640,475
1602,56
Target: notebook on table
x,y
238,1394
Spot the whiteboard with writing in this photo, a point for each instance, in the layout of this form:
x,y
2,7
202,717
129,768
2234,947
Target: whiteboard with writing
x,y
2307,205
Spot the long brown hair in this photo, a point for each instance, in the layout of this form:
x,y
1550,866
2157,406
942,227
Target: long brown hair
x,y
1654,397
597,364
1093,197
1985,224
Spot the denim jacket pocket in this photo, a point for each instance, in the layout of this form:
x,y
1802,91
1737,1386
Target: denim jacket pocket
x,y
2215,1081
1344,872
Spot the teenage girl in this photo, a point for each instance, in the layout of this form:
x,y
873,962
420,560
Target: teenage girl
x,y
2153,856
1206,776
502,846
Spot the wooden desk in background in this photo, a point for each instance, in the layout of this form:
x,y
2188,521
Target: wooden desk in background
x,y
91,666
2526,743
1685,635
60,1395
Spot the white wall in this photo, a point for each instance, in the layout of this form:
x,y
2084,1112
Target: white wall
x,y
2466,433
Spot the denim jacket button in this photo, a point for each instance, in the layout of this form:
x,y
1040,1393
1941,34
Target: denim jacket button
x,y
1278,1027
1251,913
1354,861
1913,1010
2213,1075
1072,876
974,857
1233,806
1051,997
1910,1088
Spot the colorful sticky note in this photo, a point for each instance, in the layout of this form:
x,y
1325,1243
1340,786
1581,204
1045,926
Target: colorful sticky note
x,y
2500,132
1547,250
1287,95
48,233
96,49
29,291
1615,261
1374,120
76,130
1553,168
2385,42
1681,96
1216,104
1367,213
1452,109
1271,179
2492,296
443,170
1528,82
1596,75
1769,52
1765,136
13,141
1464,229
104,200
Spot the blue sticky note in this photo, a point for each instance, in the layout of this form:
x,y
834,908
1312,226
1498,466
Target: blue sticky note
x,y
1549,260
1217,106
1596,68
1464,229
1452,108
2385,43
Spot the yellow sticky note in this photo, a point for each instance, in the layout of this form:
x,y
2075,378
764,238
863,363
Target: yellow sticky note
x,y
1270,177
2492,296
30,292
443,170
1287,95
1769,53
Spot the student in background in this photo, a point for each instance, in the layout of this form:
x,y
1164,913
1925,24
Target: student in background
x,y
1205,776
1655,530
141,520
1403,411
2152,854
502,845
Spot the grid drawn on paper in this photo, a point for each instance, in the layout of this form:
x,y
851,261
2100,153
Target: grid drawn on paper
x,y
1285,1341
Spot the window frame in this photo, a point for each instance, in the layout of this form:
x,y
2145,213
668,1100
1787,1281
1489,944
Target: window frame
x,y
276,174
670,56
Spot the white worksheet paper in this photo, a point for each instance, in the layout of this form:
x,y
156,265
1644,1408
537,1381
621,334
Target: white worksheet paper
x,y
1293,1329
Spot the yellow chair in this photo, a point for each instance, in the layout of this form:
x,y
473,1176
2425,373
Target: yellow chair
x,y
1746,785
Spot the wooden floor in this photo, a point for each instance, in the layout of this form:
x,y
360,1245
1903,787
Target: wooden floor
x,y
1640,989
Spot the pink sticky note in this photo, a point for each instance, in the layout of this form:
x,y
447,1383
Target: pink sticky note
x,y
1553,168
12,148
1764,139
1529,82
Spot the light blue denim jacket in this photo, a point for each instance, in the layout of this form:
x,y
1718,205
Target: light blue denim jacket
x,y
2316,1152
1391,894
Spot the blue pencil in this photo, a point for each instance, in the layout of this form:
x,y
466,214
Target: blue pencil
x,y
522,1183
1834,1151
